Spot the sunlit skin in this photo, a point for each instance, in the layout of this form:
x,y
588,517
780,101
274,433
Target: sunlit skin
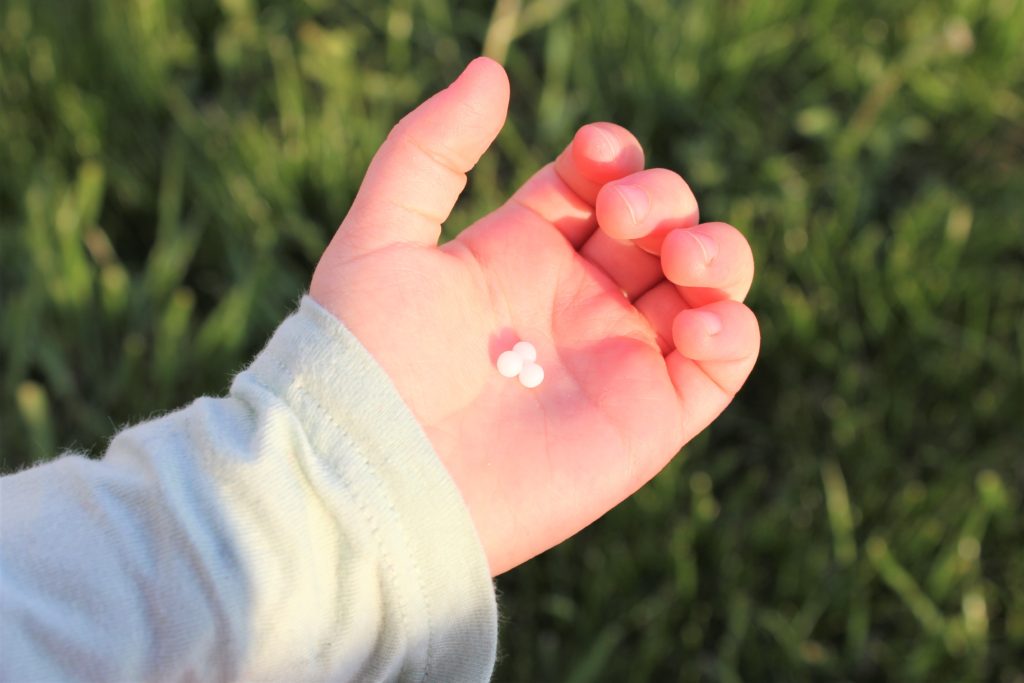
x,y
635,311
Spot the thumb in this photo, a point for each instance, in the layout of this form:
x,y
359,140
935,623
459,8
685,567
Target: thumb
x,y
419,172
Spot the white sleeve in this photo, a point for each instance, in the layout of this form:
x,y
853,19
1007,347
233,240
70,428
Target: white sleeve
x,y
302,528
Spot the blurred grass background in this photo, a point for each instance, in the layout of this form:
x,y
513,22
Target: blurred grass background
x,y
171,169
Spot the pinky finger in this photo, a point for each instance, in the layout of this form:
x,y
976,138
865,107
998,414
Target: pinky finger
x,y
722,339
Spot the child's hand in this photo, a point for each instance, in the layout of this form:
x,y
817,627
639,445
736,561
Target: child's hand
x,y
628,379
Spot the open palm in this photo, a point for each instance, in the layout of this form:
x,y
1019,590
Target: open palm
x,y
632,305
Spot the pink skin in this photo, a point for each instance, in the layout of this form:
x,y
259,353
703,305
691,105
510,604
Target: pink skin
x,y
628,379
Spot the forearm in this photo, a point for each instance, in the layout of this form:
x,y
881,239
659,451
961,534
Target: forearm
x,y
300,528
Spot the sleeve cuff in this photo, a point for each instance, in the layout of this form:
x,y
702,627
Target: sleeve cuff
x,y
354,419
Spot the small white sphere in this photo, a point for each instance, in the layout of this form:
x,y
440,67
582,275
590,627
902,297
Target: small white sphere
x,y
509,364
526,350
531,375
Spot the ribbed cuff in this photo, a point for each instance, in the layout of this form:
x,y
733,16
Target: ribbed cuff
x,y
432,557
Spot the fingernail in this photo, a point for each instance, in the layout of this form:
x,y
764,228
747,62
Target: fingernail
x,y
605,147
707,245
637,201
711,322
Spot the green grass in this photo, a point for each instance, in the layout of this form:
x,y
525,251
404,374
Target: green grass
x,y
171,169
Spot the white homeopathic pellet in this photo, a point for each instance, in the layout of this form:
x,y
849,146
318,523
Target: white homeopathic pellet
x,y
531,375
510,364
527,350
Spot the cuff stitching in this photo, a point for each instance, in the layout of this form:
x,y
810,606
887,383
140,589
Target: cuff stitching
x,y
335,329
300,388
